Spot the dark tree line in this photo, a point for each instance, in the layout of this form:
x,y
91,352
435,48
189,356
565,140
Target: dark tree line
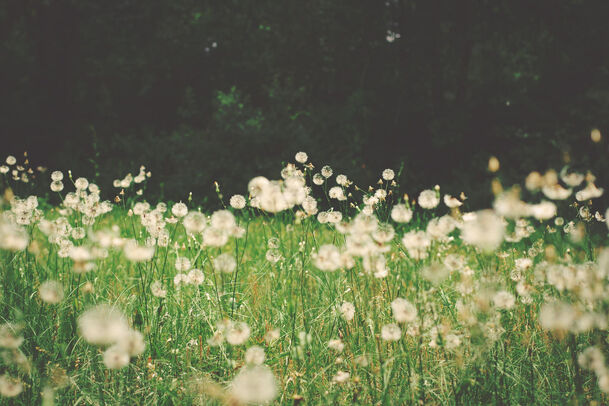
x,y
224,90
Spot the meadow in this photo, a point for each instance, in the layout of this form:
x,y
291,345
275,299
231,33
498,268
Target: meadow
x,y
304,290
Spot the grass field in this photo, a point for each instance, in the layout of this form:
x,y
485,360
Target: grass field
x,y
308,290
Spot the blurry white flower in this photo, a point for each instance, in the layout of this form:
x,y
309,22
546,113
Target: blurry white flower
x,y
336,345
589,192
179,210
401,214
10,336
254,385
137,253
116,357
485,231
194,222
254,355
504,300
452,202
225,263
51,292
327,258
102,325
132,342
403,310
237,333
182,264
417,244
428,199
341,377
391,332
347,310
157,289
9,386
196,277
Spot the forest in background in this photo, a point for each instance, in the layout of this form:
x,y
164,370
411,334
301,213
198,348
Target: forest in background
x,y
204,91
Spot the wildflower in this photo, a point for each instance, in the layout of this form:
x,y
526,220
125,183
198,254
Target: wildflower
x,y
391,332
196,277
213,237
51,292
342,180
403,310
361,360
318,179
180,279
401,214
592,359
337,192
254,355
194,222
301,157
132,342
556,192
225,263
347,310
572,179
237,202
493,164
544,210
336,345
439,227
271,336
179,210
452,341
116,357
589,192
254,385
223,220
485,230
557,316
452,202
182,264
56,186
102,325
326,171
157,289
10,336
273,242
13,237
11,160
81,183
388,174
137,253
341,377
428,199
9,386
504,300
327,258
417,244
273,255
237,333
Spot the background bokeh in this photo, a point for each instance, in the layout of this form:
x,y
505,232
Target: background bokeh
x,y
225,90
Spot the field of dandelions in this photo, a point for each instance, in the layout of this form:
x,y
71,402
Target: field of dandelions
x,y
303,290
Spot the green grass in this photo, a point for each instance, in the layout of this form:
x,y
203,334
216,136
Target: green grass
x,y
504,356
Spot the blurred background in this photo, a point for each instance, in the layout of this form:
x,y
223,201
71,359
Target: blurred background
x,y
200,91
